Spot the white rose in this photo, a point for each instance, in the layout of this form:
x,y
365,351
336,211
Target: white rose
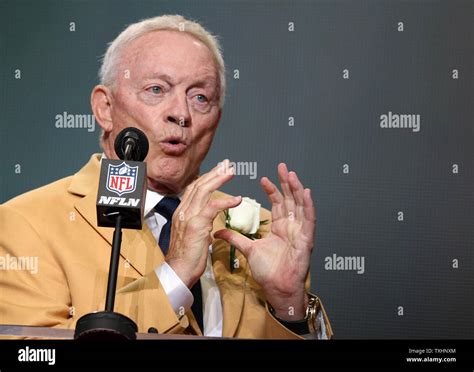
x,y
246,216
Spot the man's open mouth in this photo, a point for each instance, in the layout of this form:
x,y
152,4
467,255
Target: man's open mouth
x,y
173,146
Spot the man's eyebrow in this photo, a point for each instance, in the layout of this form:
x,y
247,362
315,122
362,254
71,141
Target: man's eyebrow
x,y
164,77
204,81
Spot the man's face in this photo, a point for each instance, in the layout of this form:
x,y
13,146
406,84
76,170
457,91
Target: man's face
x,y
168,86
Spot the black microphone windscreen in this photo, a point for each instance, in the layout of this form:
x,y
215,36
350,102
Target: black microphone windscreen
x,y
139,140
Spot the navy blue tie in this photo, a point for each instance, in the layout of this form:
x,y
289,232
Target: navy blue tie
x,y
166,208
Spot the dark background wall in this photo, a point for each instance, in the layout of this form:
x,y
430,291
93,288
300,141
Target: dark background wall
x,y
418,274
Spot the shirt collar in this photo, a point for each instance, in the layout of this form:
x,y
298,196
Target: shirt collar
x,y
151,200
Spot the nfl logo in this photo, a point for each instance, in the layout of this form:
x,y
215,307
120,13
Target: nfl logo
x,y
121,179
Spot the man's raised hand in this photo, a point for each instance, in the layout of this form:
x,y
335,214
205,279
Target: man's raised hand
x,y
191,228
280,261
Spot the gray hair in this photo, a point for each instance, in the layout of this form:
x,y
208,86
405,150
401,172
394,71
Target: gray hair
x,y
108,70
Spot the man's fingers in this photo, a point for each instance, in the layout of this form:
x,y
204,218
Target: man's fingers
x,y
273,194
285,187
197,194
222,168
204,190
297,190
185,199
296,187
275,197
215,206
283,178
309,221
241,242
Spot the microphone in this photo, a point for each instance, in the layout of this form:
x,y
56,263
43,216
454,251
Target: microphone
x,y
131,144
122,185
120,203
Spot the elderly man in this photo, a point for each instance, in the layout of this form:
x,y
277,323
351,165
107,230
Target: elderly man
x,y
165,76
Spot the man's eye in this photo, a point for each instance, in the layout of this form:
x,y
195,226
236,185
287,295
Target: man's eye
x,y
201,98
155,89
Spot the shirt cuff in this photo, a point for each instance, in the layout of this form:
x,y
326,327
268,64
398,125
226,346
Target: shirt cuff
x,y
321,334
178,293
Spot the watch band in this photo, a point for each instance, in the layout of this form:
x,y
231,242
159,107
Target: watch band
x,y
308,324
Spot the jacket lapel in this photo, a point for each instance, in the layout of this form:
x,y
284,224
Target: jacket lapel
x,y
135,243
85,184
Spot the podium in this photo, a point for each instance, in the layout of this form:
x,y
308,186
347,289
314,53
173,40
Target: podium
x,y
47,333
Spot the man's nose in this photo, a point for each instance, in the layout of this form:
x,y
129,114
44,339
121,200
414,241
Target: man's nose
x,y
178,111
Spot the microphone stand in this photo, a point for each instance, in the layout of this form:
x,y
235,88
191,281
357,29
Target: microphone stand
x,y
109,325
114,261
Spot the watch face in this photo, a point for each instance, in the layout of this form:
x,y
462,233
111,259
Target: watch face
x,y
312,313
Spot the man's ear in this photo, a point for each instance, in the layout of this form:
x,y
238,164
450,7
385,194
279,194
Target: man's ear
x,y
101,103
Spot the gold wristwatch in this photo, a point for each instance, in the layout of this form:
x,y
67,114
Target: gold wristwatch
x,y
312,312
309,324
